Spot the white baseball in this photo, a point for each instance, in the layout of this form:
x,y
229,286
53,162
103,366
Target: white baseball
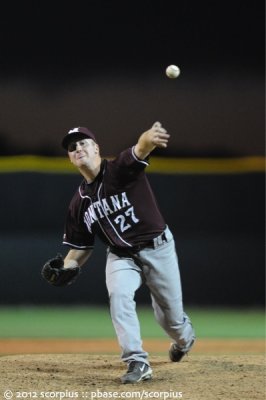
x,y
172,71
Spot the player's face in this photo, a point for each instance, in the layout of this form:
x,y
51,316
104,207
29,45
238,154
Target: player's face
x,y
83,152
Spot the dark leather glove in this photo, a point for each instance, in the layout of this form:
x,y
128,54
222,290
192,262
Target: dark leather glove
x,y
54,272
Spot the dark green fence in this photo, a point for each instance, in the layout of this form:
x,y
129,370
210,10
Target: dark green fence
x,y
217,220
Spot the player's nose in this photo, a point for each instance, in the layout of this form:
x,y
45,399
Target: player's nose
x,y
78,146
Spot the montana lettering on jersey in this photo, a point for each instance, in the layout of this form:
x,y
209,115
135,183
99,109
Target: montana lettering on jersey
x,y
118,206
110,205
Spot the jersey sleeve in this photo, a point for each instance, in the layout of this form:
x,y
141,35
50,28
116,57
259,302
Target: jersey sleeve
x,y
127,161
76,234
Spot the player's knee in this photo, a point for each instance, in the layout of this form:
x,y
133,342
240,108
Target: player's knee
x,y
121,306
121,302
120,296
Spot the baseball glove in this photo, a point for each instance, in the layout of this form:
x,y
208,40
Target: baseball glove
x,y
54,272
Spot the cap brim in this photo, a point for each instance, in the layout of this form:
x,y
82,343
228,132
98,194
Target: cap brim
x,y
72,137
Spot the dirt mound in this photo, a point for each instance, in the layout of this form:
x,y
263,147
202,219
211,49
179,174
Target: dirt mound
x,y
81,376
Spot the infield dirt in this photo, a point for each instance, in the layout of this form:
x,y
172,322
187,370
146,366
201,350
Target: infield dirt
x,y
222,374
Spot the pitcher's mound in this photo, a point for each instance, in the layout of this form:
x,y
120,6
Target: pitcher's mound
x,y
82,376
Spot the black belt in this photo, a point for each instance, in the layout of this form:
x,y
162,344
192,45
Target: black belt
x,y
132,251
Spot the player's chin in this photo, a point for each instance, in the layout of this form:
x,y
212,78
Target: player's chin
x,y
80,163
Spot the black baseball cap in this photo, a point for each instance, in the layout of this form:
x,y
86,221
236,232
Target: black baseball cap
x,y
77,134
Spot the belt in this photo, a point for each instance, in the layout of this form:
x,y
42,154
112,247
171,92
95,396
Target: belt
x,y
151,244
132,252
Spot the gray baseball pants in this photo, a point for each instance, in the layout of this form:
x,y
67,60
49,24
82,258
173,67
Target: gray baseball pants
x,y
160,272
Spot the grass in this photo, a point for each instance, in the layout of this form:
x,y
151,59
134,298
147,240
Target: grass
x,y
95,322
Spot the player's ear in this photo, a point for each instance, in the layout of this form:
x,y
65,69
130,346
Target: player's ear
x,y
69,156
96,148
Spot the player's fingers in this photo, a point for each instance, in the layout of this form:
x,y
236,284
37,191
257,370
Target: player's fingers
x,y
161,145
161,140
161,130
161,135
157,127
157,124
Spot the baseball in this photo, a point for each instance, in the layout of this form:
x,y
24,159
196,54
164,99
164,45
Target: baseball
x,y
172,71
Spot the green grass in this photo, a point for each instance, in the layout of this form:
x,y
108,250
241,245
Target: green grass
x,y
95,322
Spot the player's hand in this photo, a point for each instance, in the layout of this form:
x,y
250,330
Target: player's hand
x,y
156,136
54,272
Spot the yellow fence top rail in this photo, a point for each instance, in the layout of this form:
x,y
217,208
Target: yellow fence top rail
x,y
163,165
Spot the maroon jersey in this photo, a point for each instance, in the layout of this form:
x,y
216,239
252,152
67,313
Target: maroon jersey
x,y
118,206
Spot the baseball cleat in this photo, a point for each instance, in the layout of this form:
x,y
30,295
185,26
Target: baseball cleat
x,y
175,354
137,371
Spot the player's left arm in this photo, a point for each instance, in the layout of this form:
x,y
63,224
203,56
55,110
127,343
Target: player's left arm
x,y
157,136
76,257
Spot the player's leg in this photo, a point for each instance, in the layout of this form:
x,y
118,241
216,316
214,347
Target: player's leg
x,y
123,278
163,279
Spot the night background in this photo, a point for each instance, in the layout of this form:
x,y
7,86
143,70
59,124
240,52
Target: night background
x,y
101,64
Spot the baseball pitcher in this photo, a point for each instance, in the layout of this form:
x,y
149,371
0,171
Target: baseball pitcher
x,y
116,203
